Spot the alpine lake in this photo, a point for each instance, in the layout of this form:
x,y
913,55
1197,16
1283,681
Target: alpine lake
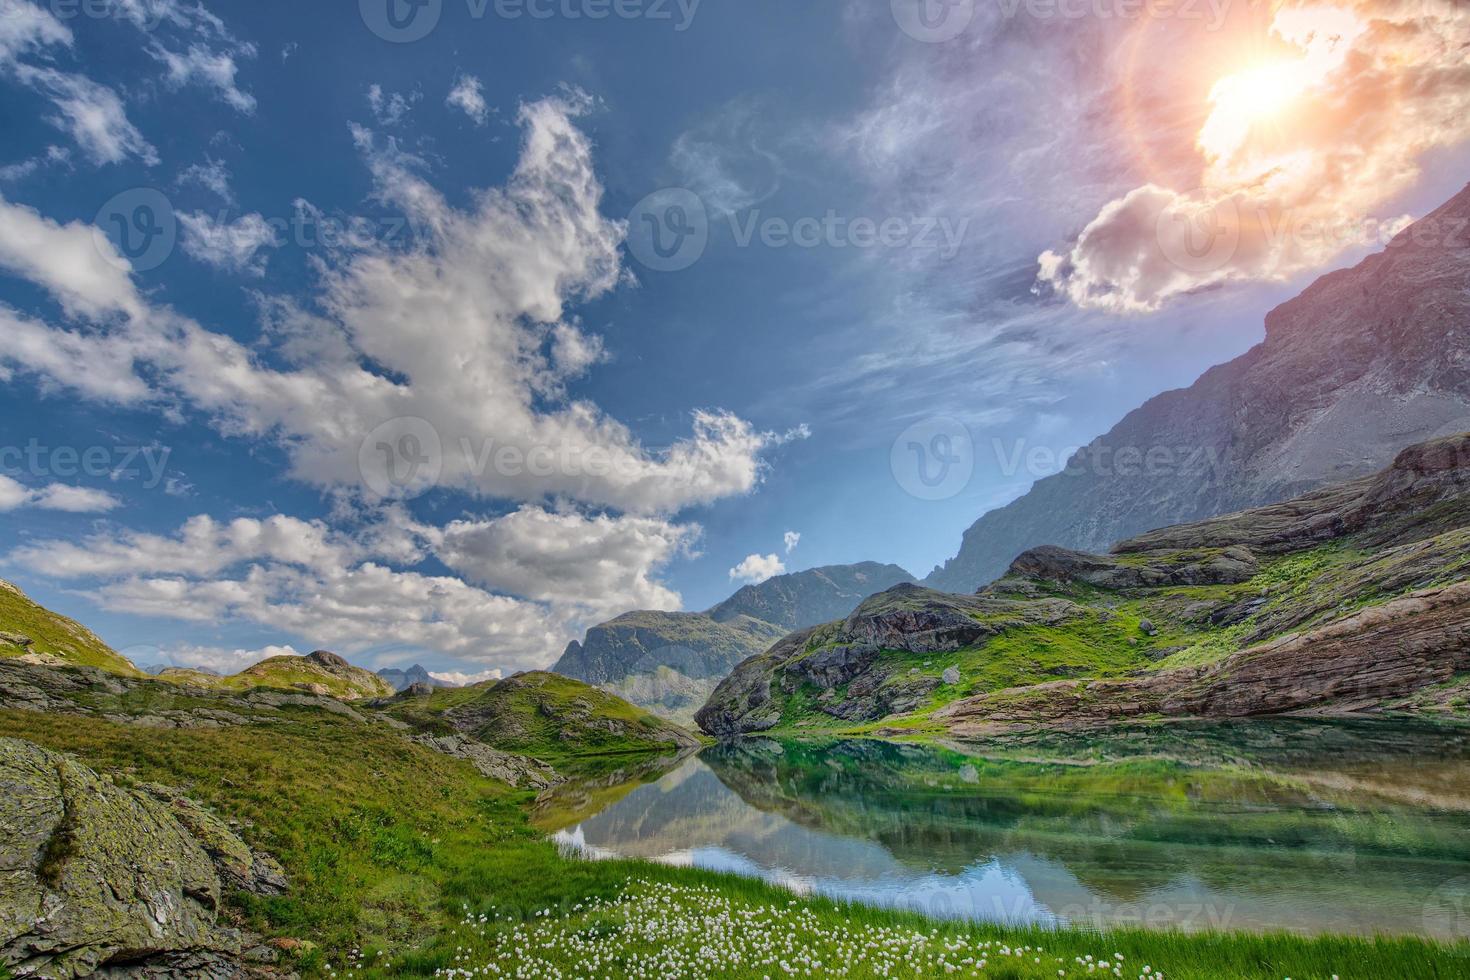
x,y
1303,826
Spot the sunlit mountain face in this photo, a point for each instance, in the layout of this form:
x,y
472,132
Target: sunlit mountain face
x,y
439,333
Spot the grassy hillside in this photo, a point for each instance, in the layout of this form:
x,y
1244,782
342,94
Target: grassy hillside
x,y
545,716
27,628
1160,626
320,673
420,865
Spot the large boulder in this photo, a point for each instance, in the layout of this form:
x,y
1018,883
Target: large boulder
x,y
99,879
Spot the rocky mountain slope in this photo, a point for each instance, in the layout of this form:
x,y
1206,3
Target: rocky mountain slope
x,y
1364,362
670,662
1351,598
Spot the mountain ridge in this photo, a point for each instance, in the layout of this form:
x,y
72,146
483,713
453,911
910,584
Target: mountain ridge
x,y
671,661
1363,362
1355,597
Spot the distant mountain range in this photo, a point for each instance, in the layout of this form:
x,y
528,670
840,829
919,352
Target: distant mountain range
x,y
670,662
402,679
1364,362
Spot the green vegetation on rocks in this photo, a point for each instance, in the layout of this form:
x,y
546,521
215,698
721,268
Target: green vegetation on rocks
x,y
1349,599
33,632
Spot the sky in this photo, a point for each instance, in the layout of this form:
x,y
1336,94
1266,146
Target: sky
x,y
439,330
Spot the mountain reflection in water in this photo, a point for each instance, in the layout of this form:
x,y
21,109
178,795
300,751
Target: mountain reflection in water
x,y
1307,826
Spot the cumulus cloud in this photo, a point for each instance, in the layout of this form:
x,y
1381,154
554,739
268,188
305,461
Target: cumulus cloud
x,y
792,539
221,660
1297,152
468,95
754,569
234,246
490,285
461,337
603,563
55,496
335,589
461,679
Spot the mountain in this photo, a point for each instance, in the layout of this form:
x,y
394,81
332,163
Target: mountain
x,y
1352,598
804,599
402,679
34,634
1364,362
31,632
320,672
669,662
541,715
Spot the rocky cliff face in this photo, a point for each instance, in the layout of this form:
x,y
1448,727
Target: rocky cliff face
x,y
1363,363
1352,598
99,878
670,662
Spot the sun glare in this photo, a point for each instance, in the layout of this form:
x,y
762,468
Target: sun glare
x,y
1316,40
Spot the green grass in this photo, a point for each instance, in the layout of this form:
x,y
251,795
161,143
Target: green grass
x,y
388,844
542,715
54,635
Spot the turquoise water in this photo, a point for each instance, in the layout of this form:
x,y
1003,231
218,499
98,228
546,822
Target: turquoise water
x,y
1309,827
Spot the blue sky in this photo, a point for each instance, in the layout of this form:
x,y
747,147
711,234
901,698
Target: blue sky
x,y
895,238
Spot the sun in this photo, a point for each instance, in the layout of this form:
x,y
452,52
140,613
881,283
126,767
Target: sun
x,y
1310,44
1248,98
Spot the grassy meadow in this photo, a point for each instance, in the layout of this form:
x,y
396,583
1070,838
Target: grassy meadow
x,y
406,863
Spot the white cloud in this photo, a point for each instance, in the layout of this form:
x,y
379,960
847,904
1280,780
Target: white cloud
x,y
220,660
1298,154
55,496
465,327
212,175
389,109
754,569
202,547
603,564
468,95
25,28
73,262
92,113
334,590
234,246
489,285
461,679
792,539
202,65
